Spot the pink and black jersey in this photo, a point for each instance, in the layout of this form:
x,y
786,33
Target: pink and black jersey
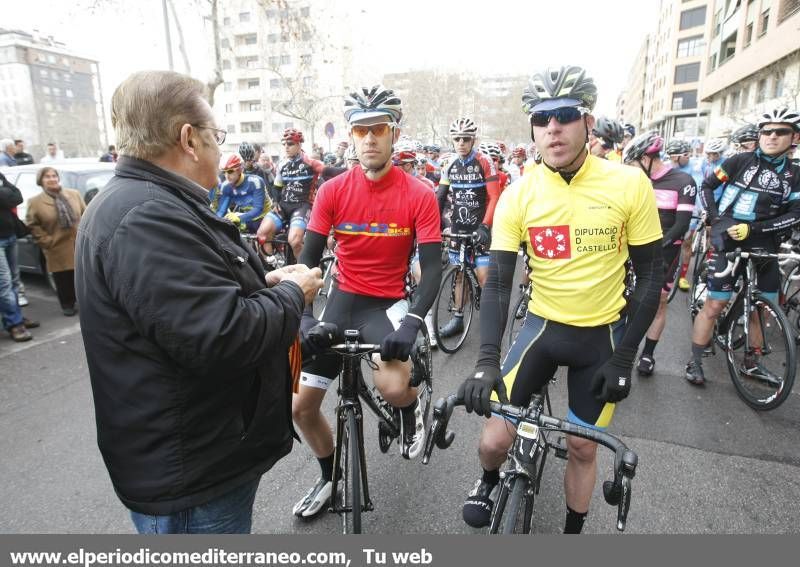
x,y
377,224
297,179
675,192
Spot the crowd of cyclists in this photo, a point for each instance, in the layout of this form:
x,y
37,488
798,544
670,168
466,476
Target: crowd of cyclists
x,y
588,201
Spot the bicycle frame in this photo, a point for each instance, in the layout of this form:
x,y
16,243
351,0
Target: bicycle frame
x,y
466,269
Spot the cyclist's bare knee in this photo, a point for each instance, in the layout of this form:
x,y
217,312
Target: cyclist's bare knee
x,y
295,238
496,439
581,450
392,380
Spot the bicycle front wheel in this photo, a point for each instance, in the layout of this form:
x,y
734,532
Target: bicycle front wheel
x,y
350,493
699,286
790,298
515,512
452,310
761,362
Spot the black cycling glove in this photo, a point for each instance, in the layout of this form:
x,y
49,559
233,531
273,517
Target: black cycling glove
x,y
318,338
398,344
484,236
612,381
476,390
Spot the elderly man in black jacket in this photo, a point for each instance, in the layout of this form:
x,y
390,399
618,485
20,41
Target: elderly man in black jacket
x,y
13,321
190,351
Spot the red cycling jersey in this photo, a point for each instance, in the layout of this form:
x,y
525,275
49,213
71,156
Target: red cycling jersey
x,y
376,225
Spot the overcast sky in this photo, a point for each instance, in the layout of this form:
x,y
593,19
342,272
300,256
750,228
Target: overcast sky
x,y
496,36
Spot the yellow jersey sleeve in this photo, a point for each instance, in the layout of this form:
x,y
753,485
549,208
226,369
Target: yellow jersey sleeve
x,y
644,225
508,226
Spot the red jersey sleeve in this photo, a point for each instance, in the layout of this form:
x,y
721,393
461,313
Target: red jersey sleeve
x,y
322,211
315,165
426,222
492,189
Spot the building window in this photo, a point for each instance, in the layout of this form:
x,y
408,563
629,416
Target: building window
x,y
226,64
46,90
228,87
308,81
226,43
712,63
688,73
748,34
253,83
251,39
305,59
744,101
285,59
306,35
717,24
56,91
250,127
683,100
69,93
722,105
231,129
788,7
777,85
250,106
288,125
691,46
228,108
226,21
274,83
728,49
274,61
693,18
272,38
277,127
43,73
761,91
305,11
763,22
244,16
734,106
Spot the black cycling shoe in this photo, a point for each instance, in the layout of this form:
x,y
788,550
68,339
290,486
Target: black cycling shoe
x,y
694,374
477,511
646,365
454,326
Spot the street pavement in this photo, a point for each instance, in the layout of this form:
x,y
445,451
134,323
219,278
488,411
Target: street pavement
x,y
708,463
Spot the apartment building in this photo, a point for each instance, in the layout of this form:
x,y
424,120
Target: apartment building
x,y
674,70
630,106
283,66
753,60
48,94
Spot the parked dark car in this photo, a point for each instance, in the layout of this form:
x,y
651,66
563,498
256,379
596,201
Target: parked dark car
x,y
87,177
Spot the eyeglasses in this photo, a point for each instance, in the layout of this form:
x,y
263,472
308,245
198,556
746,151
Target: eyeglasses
x,y
377,130
219,135
230,171
287,144
463,138
776,131
563,115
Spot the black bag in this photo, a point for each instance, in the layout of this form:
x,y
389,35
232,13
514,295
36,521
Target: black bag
x,y
20,228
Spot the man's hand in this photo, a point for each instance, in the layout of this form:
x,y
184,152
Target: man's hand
x,y
739,231
309,280
611,382
398,344
319,337
233,217
476,390
484,236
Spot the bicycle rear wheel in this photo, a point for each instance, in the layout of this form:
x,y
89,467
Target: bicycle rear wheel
x,y
676,276
763,381
446,309
350,494
422,372
699,286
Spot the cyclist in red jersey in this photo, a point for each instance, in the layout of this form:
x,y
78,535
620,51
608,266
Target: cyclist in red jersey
x,y
378,213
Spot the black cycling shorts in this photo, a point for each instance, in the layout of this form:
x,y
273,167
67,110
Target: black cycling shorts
x,y
291,216
374,317
542,346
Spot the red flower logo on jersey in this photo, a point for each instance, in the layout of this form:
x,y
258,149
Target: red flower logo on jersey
x,y
551,242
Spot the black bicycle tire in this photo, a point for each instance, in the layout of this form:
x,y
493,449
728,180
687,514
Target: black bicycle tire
x,y
445,288
351,521
499,508
513,508
675,278
697,260
788,306
791,363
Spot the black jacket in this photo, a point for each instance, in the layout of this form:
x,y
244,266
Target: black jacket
x,y
10,197
187,350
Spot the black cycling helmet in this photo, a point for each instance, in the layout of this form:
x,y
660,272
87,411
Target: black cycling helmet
x,y
609,130
568,85
747,133
329,159
677,147
649,143
369,102
629,129
247,151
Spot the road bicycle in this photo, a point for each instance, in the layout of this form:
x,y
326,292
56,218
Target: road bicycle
x,y
520,481
459,294
351,488
755,334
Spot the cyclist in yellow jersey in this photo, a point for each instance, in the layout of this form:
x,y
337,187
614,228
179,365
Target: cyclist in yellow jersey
x,y
580,218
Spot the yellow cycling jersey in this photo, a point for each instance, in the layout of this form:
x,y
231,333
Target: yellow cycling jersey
x,y
614,155
577,236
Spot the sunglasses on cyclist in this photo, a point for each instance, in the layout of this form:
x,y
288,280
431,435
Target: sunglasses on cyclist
x,y
288,144
229,171
377,130
462,139
563,115
777,131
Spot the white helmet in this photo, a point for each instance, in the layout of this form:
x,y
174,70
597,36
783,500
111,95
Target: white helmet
x,y
781,116
463,127
717,145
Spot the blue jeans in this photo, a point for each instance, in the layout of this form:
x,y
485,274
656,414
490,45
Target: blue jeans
x,y
231,513
9,310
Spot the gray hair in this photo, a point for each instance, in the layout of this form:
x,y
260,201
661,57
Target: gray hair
x,y
5,142
149,108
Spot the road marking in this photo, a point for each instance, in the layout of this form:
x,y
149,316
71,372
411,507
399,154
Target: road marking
x,y
38,340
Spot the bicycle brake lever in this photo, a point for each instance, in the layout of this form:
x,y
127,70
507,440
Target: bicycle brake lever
x,y
624,504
